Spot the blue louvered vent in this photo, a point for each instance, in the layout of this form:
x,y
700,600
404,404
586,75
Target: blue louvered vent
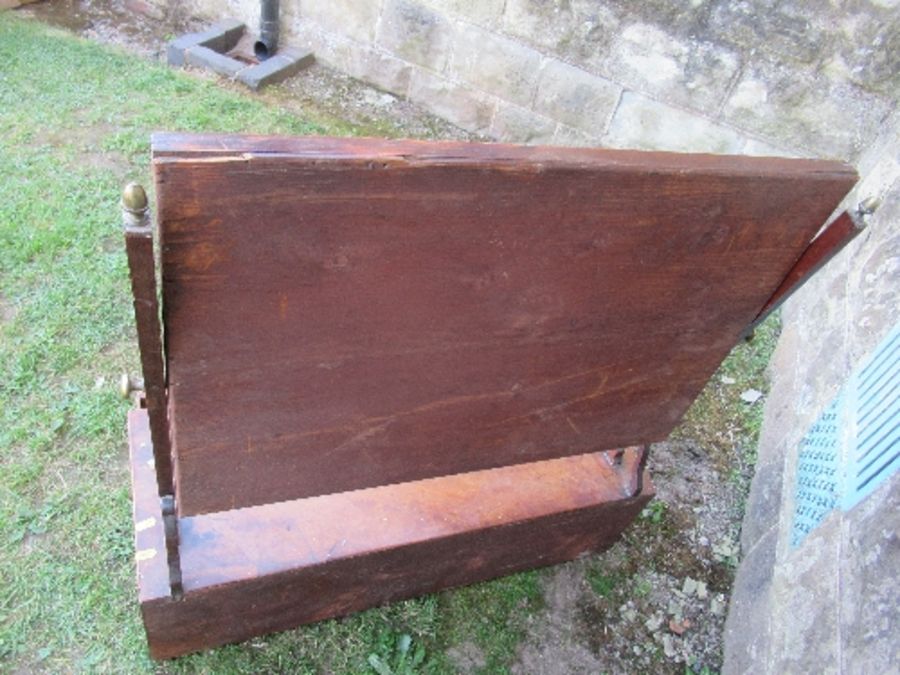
x,y
855,443
818,467
877,449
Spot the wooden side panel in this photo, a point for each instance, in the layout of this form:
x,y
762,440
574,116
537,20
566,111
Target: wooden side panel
x,y
142,268
257,570
343,314
149,537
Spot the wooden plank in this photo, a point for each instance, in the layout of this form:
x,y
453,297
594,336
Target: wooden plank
x,y
139,250
827,244
349,313
149,535
252,571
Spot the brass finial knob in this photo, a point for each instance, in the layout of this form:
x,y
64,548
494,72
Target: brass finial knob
x,y
128,384
134,198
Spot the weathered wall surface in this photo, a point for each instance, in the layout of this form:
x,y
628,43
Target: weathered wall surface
x,y
719,75
831,604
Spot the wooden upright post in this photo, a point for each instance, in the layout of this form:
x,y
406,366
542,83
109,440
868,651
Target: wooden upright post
x,y
139,248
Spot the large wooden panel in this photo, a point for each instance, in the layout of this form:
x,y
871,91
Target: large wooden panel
x,y
348,313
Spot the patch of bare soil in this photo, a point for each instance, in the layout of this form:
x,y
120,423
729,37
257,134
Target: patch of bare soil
x,y
143,29
134,24
559,639
8,311
656,601
374,112
88,138
467,658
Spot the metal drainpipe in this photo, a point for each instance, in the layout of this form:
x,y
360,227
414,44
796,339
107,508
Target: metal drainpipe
x,y
268,30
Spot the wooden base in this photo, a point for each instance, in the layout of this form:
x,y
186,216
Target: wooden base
x,y
268,568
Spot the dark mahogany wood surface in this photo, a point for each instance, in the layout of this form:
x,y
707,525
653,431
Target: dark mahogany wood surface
x,y
827,244
142,269
345,313
252,571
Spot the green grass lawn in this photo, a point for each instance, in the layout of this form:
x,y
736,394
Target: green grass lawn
x,y
75,120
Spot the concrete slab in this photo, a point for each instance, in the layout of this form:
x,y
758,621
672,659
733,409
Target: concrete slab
x,y
221,37
177,48
204,57
207,50
281,66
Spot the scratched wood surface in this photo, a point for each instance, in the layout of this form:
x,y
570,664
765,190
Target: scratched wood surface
x,y
272,567
344,313
142,268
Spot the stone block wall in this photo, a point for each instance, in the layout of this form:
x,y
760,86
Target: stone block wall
x,y
753,76
829,605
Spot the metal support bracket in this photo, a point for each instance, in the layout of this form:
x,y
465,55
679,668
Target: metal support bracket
x,y
827,244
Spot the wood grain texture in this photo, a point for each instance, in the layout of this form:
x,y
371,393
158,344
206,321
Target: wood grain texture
x,y
252,571
344,313
142,269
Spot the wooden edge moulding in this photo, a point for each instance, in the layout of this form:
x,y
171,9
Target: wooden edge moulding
x,y
377,369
